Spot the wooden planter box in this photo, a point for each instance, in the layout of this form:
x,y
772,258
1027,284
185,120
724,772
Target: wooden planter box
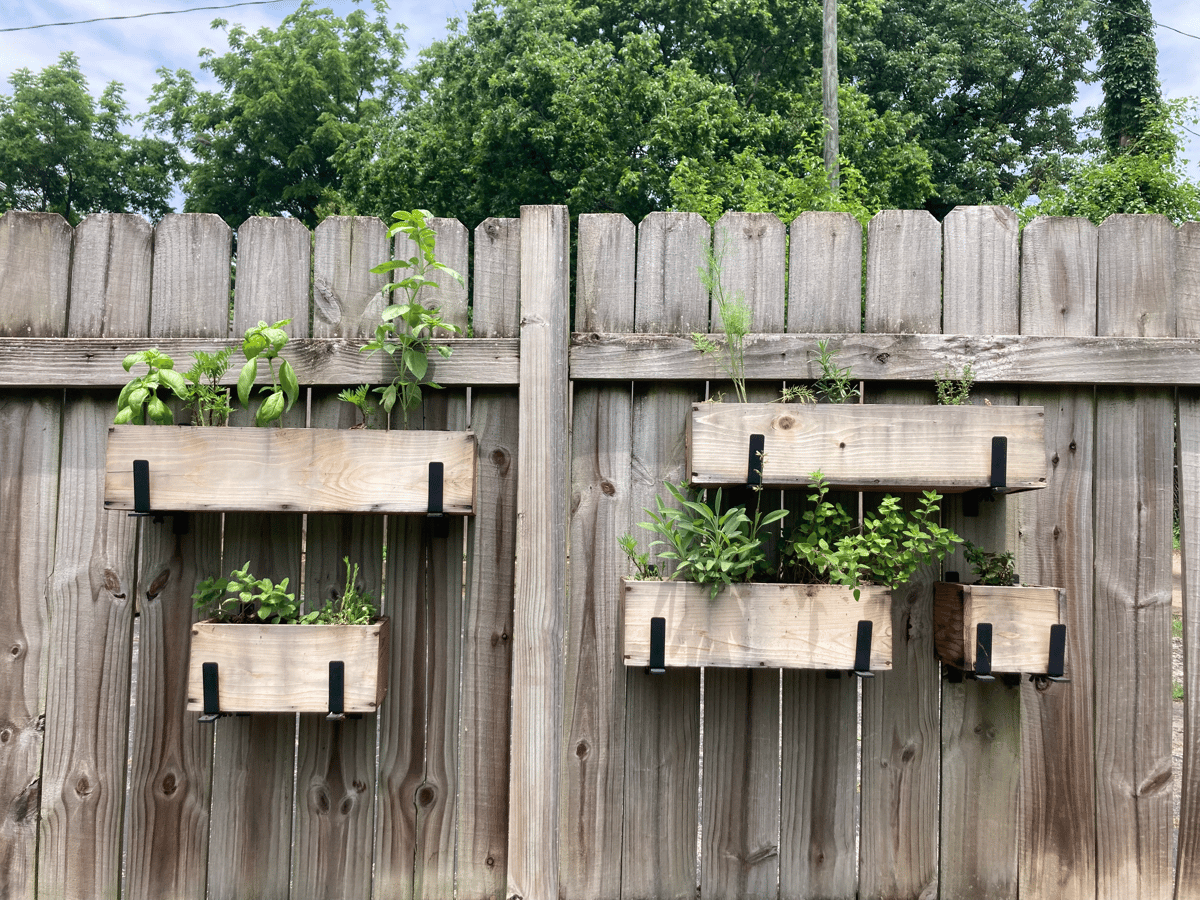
x,y
1021,618
866,447
285,668
792,626
290,469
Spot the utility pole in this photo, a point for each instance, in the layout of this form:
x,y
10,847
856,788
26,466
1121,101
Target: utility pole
x,y
829,90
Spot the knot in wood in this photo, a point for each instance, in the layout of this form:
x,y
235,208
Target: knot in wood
x,y
169,784
607,488
426,796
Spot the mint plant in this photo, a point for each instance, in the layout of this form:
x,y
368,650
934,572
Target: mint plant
x,y
263,342
139,399
242,596
406,332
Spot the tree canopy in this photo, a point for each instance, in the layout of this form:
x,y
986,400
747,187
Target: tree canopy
x,y
289,100
1128,70
62,150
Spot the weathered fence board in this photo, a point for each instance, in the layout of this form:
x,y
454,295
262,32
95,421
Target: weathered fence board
x,y
1133,573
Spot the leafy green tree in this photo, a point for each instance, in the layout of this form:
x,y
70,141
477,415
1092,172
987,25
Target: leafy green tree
x,y
1128,69
62,150
289,100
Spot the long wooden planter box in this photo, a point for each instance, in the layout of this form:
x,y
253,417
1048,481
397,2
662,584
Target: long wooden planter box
x,y
867,447
290,469
1020,616
793,626
285,668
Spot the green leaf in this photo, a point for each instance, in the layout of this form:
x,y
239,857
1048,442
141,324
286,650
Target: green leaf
x,y
416,362
246,380
176,382
287,378
272,408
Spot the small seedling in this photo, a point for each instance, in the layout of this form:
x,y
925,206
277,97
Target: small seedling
x,y
351,607
834,384
261,342
734,313
207,400
139,399
643,568
991,568
953,389
360,398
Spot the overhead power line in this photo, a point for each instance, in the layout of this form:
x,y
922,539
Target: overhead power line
x,y
164,12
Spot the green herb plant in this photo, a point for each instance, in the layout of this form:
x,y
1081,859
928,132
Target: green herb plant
x,y
991,568
834,384
360,398
710,546
205,397
734,313
351,607
954,389
263,342
887,550
139,400
407,330
241,597
643,568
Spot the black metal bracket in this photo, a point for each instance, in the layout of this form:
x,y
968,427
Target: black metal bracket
x,y
337,690
210,678
998,479
1056,667
862,650
658,646
141,500
950,577
435,518
754,465
983,652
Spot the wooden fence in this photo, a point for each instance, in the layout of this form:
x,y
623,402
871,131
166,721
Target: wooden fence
x,y
515,756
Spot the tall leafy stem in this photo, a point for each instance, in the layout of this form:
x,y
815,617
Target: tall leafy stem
x,y
734,314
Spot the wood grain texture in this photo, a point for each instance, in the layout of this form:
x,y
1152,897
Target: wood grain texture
x,y
491,542
825,273
980,271
593,756
35,254
540,600
1033,359
876,447
191,278
1187,443
1021,618
347,298
1058,832
799,626
92,590
290,469
662,717
900,743
1133,501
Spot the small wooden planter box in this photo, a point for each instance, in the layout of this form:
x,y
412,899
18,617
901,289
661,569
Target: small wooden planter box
x,y
290,469
1020,617
791,626
867,447
285,668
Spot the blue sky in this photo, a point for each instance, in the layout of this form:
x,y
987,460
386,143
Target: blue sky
x,y
131,50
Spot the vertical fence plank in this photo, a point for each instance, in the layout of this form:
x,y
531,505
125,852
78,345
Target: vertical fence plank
x,y
1187,293
981,731
491,541
253,769
739,853
1058,780
538,617
819,798
172,753
662,712
900,746
594,714
92,590
1133,494
35,255
335,768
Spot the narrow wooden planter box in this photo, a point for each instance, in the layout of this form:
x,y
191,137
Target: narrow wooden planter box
x,y
866,447
1020,616
290,469
791,626
285,668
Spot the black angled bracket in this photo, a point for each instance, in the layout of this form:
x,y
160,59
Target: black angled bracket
x,y
141,499
862,650
754,464
1056,668
337,690
435,515
210,679
658,646
998,480
983,652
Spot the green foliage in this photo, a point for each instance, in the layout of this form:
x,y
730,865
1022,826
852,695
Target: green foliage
x,y
1145,177
360,398
834,384
353,606
407,331
63,151
139,399
991,568
288,101
207,400
643,568
709,545
263,342
1128,70
887,550
734,313
242,596
954,388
